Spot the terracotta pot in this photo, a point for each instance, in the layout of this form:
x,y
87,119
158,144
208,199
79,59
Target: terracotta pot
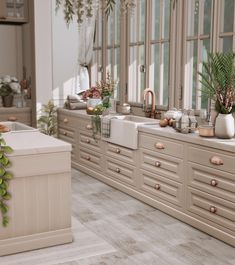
x,y
7,101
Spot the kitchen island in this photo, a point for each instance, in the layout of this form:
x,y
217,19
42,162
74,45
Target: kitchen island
x,y
39,210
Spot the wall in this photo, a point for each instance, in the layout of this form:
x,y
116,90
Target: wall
x,y
43,51
64,56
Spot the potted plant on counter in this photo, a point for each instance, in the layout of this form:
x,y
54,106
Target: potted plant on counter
x,y
8,87
218,83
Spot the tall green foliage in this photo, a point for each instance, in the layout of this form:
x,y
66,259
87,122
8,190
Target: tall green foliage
x,y
218,80
5,177
48,120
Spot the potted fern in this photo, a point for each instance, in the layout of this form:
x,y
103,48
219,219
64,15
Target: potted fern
x,y
218,83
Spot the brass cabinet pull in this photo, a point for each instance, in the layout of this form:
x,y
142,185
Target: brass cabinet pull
x,y
215,160
157,164
118,170
157,187
88,158
88,141
89,127
118,151
65,133
2,17
160,146
66,120
12,118
214,182
213,209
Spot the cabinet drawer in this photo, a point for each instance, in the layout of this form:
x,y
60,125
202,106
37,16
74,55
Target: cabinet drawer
x,y
67,121
91,159
214,181
211,158
157,186
19,117
85,125
167,166
161,145
217,210
87,141
68,136
120,171
121,153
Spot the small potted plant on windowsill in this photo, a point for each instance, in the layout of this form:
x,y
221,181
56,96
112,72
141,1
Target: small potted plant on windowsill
x,y
8,87
218,83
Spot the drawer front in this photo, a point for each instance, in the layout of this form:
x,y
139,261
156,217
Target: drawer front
x,y
157,186
121,153
68,136
20,117
120,171
212,158
67,121
214,181
217,210
161,145
87,141
91,159
85,125
167,166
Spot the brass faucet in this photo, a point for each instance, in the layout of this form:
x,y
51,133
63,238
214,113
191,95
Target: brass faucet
x,y
153,100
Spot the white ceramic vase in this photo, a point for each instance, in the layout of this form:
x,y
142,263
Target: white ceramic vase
x,y
224,126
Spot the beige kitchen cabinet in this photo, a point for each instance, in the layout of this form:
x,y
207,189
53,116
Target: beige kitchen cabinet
x,y
190,178
14,11
16,114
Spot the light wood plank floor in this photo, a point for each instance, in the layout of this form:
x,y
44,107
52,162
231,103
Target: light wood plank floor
x,y
140,234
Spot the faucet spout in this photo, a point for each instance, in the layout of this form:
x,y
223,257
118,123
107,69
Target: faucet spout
x,y
150,92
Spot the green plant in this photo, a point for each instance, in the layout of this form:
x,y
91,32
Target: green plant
x,y
5,177
48,121
218,80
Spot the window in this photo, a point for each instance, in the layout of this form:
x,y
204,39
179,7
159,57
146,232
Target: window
x,y
162,46
149,50
106,49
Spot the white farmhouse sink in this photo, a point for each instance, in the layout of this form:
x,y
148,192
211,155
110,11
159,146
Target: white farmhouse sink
x,y
124,130
18,127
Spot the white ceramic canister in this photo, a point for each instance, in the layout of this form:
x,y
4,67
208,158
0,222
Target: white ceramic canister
x,y
224,126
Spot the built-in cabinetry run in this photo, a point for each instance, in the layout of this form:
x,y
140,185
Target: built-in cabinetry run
x,y
16,114
192,182
14,11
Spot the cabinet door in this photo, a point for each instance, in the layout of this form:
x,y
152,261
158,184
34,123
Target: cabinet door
x,y
13,11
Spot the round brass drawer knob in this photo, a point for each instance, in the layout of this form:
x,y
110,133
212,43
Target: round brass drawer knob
x,y
160,146
88,158
157,187
88,141
12,118
157,164
118,170
118,151
65,133
214,182
66,120
213,209
89,127
215,160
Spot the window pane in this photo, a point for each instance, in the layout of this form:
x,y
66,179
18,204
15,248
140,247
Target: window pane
x,y
154,71
226,44
142,20
228,15
166,20
207,17
155,19
191,74
165,74
193,17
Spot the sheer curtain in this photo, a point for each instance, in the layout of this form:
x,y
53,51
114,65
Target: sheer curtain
x,y
85,47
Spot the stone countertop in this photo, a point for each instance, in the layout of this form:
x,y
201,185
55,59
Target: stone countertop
x,y
34,142
194,138
4,110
